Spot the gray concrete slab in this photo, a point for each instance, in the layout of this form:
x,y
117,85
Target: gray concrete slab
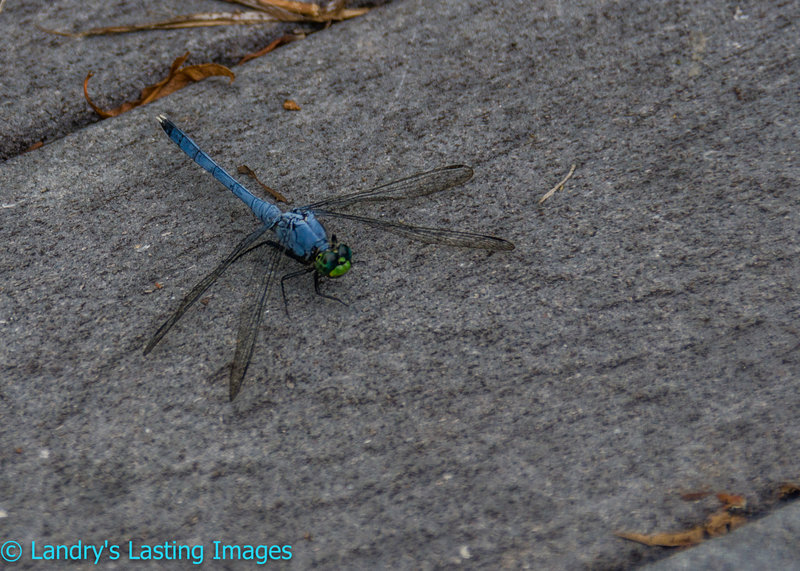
x,y
500,411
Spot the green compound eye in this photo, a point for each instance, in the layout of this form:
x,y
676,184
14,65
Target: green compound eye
x,y
334,262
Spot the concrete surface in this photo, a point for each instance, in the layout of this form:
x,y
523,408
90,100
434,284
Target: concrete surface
x,y
509,410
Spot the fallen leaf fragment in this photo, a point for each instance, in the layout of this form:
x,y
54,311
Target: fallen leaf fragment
x,y
178,78
244,169
789,490
199,20
290,105
284,39
265,12
694,496
292,11
718,523
156,286
33,147
303,9
679,539
732,501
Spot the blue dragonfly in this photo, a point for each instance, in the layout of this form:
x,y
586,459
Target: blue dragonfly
x,y
300,235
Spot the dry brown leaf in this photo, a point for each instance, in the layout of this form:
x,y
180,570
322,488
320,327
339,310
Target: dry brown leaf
x,y
267,11
285,39
199,20
732,501
244,169
34,146
178,78
291,11
789,490
290,105
718,523
156,286
694,496
678,539
304,9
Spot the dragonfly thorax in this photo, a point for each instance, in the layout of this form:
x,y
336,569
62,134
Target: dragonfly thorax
x,y
301,234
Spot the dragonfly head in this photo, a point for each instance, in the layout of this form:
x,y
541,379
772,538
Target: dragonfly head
x,y
335,261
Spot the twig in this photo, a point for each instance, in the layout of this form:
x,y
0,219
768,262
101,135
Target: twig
x,y
557,187
201,20
284,39
291,11
244,169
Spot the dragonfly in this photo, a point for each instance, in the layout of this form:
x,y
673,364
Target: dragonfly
x,y
299,234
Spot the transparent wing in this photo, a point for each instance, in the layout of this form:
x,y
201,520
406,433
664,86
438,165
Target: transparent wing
x,y
420,184
250,317
244,246
429,235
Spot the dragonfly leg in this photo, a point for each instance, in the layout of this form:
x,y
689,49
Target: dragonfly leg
x,y
288,277
319,293
244,247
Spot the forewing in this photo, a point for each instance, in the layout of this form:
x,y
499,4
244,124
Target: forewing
x,y
429,235
420,184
